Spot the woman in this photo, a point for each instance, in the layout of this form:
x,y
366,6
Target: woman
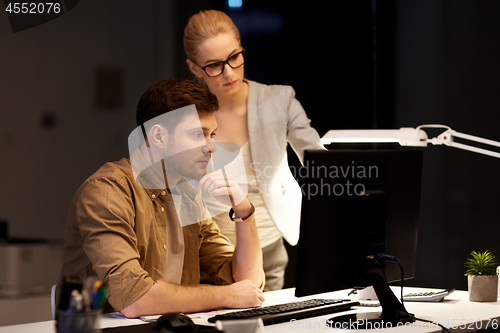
x,y
260,119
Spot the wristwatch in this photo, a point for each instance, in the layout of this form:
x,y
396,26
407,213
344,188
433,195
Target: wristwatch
x,y
241,219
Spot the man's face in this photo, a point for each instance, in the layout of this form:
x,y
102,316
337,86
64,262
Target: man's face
x,y
190,146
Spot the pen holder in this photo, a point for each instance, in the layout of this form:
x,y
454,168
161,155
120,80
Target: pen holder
x,y
78,322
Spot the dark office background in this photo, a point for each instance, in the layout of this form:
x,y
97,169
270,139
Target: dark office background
x,y
69,90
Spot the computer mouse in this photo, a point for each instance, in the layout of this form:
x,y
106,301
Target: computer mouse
x,y
175,322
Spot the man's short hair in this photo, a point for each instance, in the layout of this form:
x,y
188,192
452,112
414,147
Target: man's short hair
x,y
171,94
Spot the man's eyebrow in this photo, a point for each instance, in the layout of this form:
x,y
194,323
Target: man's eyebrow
x,y
195,128
229,56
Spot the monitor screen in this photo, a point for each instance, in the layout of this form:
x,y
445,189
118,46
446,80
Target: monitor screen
x,y
356,203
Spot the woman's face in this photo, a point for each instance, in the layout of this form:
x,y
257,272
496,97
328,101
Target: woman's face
x,y
216,49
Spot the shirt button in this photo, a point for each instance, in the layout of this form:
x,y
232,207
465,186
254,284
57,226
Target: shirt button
x,y
153,196
164,247
162,209
163,192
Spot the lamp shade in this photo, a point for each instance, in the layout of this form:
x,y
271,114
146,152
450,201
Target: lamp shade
x,y
405,136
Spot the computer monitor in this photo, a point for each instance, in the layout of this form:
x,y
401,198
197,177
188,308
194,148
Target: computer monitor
x,y
357,205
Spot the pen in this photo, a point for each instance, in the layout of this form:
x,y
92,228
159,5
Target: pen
x,y
98,295
212,162
102,297
75,303
97,285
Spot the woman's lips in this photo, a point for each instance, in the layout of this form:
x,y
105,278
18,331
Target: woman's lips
x,y
230,84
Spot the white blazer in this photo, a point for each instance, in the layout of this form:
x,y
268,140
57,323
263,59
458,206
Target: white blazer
x,y
276,117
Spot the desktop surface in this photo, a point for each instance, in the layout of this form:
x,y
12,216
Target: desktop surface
x,y
455,312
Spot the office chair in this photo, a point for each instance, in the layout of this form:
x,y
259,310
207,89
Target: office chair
x,y
53,301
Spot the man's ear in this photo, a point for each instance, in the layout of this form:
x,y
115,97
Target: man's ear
x,y
159,136
195,69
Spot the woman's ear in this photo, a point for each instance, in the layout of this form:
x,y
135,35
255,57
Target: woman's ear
x,y
195,69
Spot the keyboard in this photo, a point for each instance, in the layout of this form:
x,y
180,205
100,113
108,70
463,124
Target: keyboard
x,y
430,296
280,313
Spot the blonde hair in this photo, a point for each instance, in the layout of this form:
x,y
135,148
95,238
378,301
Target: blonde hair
x,y
204,25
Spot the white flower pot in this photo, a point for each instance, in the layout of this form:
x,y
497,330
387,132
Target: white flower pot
x,y
483,288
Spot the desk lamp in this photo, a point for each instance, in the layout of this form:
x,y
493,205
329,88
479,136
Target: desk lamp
x,y
408,136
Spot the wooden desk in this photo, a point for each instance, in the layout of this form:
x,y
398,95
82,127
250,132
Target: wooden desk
x,y
455,312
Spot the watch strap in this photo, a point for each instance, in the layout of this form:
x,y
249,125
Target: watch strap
x,y
241,219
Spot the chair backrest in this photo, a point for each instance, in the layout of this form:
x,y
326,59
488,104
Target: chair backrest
x,y
53,301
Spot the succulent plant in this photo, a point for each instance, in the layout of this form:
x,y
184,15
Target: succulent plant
x,y
481,264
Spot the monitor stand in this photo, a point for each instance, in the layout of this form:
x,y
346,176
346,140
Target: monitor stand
x,y
393,311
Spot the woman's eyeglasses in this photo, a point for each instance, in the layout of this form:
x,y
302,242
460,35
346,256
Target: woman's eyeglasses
x,y
217,68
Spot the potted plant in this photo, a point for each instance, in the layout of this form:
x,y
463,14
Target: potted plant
x,y
482,276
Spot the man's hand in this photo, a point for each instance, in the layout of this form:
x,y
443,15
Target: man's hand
x,y
244,294
216,185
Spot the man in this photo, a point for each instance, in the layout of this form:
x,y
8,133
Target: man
x,y
141,228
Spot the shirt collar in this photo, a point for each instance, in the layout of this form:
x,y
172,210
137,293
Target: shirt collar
x,y
145,176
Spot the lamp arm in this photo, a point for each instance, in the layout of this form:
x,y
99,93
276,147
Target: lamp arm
x,y
475,138
447,136
475,149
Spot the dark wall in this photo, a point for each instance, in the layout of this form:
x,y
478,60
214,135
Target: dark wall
x,y
448,73
69,89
